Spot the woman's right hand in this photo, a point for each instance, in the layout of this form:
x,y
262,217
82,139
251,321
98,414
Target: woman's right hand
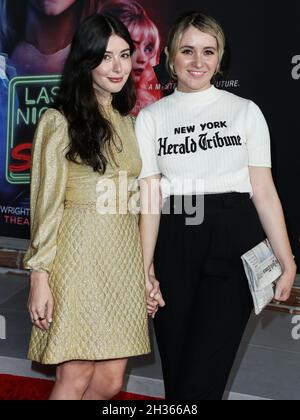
x,y
40,303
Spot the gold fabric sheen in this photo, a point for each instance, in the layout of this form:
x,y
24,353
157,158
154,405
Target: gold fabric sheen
x,y
94,260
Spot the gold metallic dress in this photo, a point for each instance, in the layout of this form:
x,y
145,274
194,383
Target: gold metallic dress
x,y
93,255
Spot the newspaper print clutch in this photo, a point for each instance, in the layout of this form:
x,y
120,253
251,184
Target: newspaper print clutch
x,y
262,270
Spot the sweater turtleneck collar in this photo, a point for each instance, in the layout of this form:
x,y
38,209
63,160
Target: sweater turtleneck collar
x,y
204,96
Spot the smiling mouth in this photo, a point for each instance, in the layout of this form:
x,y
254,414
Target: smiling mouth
x,y
116,79
197,73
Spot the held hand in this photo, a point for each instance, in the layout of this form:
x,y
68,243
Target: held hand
x,y
285,284
40,303
154,295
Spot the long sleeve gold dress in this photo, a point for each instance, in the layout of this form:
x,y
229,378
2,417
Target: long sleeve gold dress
x,y
93,255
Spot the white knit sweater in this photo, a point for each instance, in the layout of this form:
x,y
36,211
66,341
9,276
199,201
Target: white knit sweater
x,y
203,142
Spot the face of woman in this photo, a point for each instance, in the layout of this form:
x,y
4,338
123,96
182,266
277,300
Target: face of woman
x,y
113,72
196,61
52,7
144,52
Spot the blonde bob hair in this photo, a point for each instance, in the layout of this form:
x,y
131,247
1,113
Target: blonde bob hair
x,y
199,20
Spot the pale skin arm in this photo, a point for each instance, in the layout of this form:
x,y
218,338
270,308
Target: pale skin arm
x,y
269,208
40,303
149,226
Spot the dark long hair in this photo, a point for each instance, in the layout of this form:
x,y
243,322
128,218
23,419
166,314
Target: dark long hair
x,y
89,130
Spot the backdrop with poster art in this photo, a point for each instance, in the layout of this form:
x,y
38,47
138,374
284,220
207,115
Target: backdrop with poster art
x,y
262,62
35,37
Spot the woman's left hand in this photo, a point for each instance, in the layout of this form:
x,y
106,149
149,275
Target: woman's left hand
x,y
154,296
285,284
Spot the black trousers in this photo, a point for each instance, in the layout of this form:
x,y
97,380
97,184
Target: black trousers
x,y
208,302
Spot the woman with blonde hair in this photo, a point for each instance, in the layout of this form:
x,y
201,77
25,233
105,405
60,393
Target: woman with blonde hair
x,y
206,154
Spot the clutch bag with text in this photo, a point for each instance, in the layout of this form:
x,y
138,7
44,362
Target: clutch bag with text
x,y
262,270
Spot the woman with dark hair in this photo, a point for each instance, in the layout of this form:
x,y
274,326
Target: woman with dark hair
x,y
37,33
85,252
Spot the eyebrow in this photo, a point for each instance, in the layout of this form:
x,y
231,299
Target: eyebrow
x,y
192,48
110,52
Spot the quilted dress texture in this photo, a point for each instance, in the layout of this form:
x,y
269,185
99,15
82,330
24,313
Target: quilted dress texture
x,y
93,255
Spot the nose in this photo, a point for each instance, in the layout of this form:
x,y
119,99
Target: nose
x,y
117,66
140,56
198,60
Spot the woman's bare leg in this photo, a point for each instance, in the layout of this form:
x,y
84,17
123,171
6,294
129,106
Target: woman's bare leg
x,y
107,380
72,380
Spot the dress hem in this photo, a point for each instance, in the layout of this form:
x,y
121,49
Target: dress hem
x,y
91,359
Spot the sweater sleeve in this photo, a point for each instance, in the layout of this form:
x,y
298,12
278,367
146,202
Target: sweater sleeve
x,y
145,133
258,138
49,172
